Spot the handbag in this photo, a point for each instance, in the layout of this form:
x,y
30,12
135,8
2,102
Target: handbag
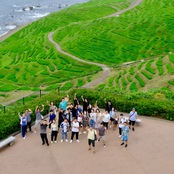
x,y
95,136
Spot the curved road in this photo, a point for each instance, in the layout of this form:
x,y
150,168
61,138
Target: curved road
x,y
106,70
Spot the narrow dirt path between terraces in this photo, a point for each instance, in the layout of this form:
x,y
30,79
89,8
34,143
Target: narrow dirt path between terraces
x,y
106,70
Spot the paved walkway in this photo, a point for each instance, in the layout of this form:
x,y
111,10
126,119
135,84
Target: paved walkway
x,y
150,151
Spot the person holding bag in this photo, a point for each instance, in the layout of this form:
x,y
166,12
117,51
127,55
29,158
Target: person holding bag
x,y
92,136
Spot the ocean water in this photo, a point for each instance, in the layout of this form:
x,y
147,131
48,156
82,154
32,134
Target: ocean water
x,y
14,13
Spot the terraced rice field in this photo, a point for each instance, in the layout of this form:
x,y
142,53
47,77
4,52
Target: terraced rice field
x,y
142,75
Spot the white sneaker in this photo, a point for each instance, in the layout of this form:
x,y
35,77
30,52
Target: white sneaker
x,y
66,140
55,141
51,142
119,136
70,141
78,141
61,141
104,146
24,138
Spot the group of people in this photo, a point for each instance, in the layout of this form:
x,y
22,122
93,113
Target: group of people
x,y
71,117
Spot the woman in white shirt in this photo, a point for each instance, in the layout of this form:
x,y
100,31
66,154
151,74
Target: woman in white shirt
x,y
75,130
106,118
121,121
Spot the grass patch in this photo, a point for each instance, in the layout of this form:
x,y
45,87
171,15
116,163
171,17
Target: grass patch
x,y
140,80
8,87
66,86
170,68
171,82
149,77
148,67
159,65
133,86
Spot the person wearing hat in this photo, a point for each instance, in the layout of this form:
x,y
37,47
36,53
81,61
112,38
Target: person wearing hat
x,y
132,119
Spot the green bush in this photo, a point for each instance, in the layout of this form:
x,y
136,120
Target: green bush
x,y
145,104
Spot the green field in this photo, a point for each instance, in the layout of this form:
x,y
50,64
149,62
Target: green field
x,y
28,61
139,76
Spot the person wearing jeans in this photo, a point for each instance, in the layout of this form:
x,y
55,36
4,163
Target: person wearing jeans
x,y
23,122
28,113
75,130
64,126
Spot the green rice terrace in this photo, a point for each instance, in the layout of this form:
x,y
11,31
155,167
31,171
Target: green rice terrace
x,y
137,45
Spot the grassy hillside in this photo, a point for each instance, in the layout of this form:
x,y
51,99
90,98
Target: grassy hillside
x,y
142,32
142,75
28,61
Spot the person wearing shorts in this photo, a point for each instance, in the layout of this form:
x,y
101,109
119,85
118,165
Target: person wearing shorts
x,y
91,137
124,137
132,119
101,132
106,118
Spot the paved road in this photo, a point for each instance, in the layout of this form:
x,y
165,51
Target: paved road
x,y
150,151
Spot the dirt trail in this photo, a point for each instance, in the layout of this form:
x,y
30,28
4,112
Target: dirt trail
x,y
106,70
133,5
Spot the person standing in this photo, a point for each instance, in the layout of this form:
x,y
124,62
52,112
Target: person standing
x,y
76,101
132,119
63,103
52,107
98,118
23,123
101,132
28,113
43,132
69,116
121,121
64,126
51,117
61,117
39,116
91,137
85,104
106,118
124,136
85,121
75,130
92,118
54,131
112,116
108,106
